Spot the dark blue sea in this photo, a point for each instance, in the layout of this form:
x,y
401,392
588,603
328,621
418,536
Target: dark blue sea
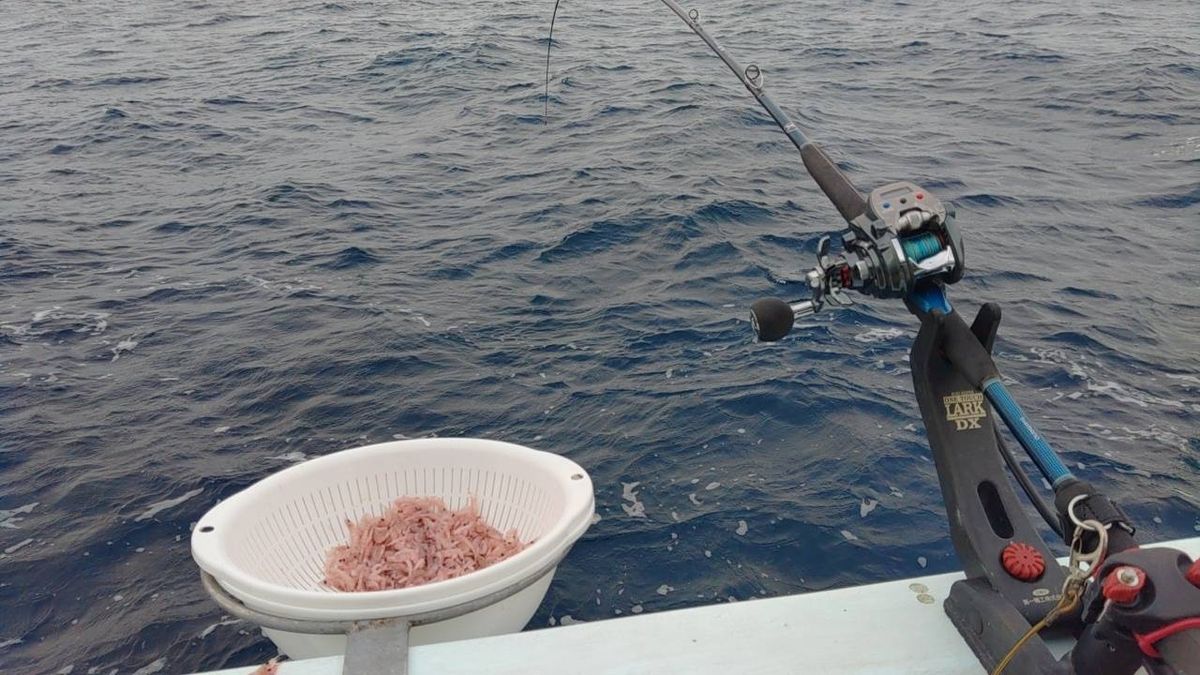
x,y
237,235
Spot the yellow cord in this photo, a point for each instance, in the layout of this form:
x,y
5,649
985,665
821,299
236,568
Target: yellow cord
x,y
1067,603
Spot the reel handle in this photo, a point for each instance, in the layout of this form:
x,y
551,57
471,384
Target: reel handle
x,y
773,318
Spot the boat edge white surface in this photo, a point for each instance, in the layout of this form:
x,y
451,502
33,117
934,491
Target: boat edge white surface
x,y
889,627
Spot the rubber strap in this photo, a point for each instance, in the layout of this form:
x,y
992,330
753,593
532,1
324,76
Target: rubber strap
x,y
1146,641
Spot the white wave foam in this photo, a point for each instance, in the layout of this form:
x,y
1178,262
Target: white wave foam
x,y
1188,380
156,666
123,347
17,546
1189,146
1126,395
225,621
880,335
1078,368
157,507
285,286
92,323
635,508
1166,437
9,519
416,315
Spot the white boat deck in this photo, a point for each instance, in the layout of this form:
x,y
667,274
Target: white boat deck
x,y
891,627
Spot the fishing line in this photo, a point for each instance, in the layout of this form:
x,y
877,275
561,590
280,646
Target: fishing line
x,y
549,43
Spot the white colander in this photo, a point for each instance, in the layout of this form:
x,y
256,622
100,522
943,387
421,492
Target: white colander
x,y
266,545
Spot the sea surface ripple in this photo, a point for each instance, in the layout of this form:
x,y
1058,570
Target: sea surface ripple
x,y
236,235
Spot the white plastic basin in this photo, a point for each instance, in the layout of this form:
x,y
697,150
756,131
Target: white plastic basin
x,y
266,545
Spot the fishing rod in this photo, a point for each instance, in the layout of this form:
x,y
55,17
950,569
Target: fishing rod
x,y
1128,607
835,184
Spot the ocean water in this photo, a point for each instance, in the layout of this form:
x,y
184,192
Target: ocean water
x,y
237,235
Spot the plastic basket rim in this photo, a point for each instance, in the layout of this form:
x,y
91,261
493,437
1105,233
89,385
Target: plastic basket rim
x,y
210,553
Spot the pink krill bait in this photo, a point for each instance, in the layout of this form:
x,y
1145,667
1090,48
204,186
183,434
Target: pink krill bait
x,y
416,541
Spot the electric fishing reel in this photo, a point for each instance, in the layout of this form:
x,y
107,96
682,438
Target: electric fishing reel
x,y
906,237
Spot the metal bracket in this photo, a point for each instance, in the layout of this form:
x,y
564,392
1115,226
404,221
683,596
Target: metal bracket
x,y
379,646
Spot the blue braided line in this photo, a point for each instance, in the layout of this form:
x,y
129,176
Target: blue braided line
x,y
921,246
1039,450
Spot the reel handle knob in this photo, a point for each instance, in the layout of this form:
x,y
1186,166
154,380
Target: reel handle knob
x,y
772,319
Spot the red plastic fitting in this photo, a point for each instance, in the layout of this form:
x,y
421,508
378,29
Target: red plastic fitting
x,y
1193,574
1022,561
1123,584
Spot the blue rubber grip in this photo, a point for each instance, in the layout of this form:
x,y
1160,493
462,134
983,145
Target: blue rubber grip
x,y
929,297
1039,450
